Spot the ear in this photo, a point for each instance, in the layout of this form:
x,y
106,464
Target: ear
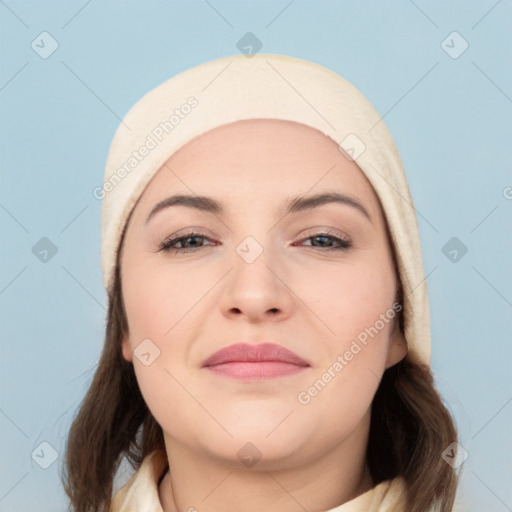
x,y
397,346
126,348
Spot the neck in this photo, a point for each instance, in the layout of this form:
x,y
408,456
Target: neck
x,y
202,482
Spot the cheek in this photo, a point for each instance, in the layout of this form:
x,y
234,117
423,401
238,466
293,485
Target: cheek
x,y
351,297
354,357
355,302
162,306
157,299
159,307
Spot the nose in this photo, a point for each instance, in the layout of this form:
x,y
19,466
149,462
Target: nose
x,y
259,290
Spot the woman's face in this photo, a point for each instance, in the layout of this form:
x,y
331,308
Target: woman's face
x,y
317,280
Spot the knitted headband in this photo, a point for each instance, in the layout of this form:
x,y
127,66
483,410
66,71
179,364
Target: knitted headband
x,y
268,86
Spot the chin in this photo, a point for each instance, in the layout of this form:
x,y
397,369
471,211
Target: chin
x,y
256,454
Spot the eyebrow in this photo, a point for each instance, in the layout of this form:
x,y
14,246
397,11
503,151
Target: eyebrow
x,y
292,205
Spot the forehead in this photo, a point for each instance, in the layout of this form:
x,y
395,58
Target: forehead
x,y
260,159
250,143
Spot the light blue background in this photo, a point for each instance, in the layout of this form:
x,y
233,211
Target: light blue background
x,y
452,126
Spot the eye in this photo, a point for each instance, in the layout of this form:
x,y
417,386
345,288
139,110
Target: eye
x,y
192,240
327,238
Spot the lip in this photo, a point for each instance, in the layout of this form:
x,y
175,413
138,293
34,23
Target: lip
x,y
255,362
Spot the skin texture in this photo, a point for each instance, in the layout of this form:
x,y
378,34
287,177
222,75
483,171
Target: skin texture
x,y
298,293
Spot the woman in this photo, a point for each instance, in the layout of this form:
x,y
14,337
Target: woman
x,y
268,338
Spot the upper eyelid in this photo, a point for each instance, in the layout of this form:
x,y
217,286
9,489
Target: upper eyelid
x,y
316,233
313,233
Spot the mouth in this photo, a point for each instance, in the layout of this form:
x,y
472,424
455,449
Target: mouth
x,y
255,362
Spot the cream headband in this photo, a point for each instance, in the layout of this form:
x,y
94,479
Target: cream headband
x,y
238,87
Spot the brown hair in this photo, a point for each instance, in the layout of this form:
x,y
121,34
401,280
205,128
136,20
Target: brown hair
x,y
410,428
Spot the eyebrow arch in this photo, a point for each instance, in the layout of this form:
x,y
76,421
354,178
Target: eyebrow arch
x,y
292,205
301,203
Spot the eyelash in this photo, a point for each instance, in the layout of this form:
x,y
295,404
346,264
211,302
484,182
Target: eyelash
x,y
166,245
